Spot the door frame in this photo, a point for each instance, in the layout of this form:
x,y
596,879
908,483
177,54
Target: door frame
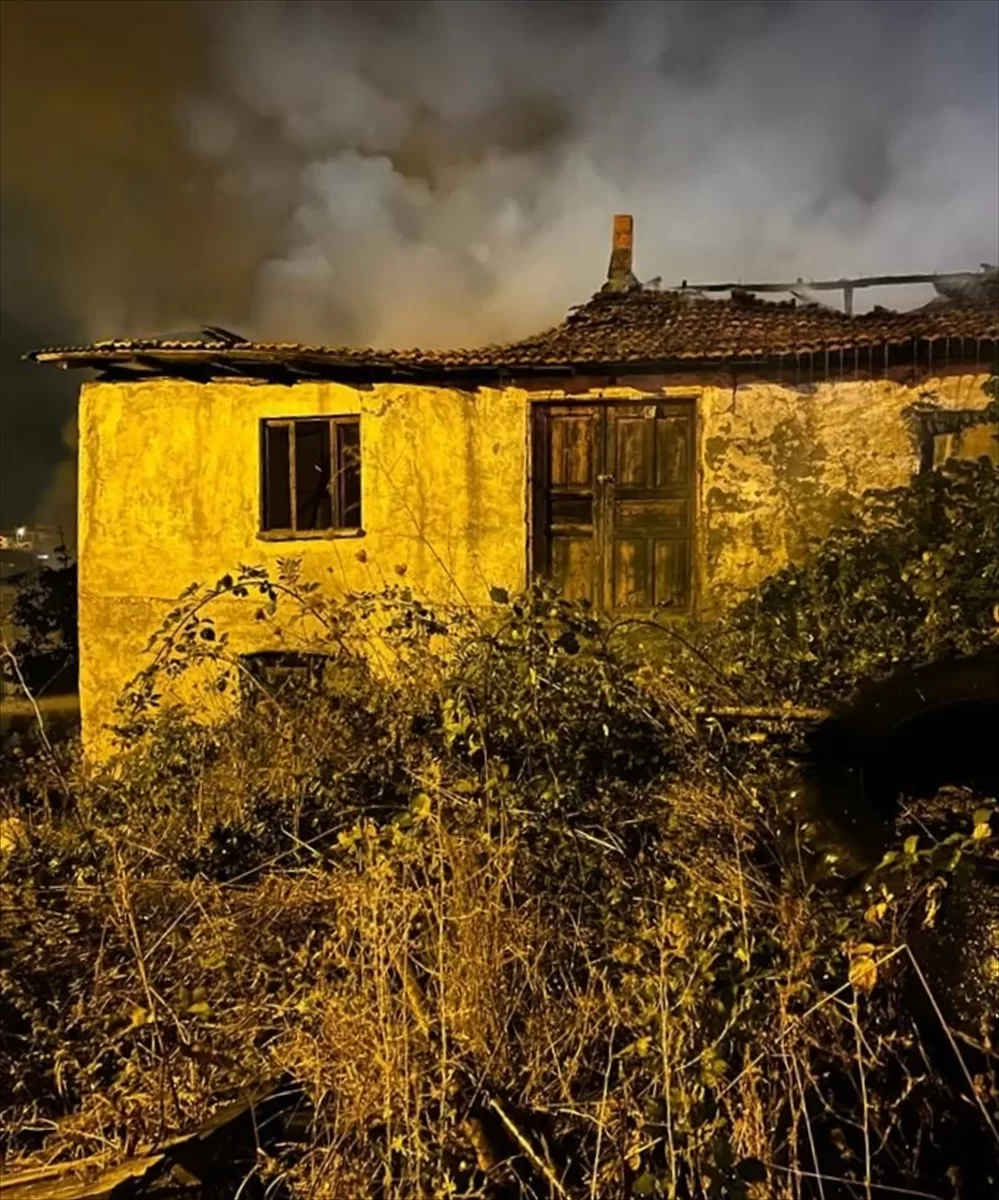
x,y
537,483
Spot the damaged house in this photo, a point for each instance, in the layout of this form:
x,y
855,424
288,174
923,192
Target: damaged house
x,y
657,449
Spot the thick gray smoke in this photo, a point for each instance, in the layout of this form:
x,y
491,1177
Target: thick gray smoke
x,y
447,170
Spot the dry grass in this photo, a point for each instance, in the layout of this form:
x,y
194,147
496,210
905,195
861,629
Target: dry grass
x,y
503,954
452,1037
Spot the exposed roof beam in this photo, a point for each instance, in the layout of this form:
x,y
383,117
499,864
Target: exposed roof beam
x,y
831,285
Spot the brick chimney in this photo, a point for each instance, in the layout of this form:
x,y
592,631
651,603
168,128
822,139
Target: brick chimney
x,y
619,274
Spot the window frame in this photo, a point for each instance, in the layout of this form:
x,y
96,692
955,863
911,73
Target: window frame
x,y
277,675
337,502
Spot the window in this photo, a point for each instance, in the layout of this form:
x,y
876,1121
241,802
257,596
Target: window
x,y
311,476
975,441
288,677
967,433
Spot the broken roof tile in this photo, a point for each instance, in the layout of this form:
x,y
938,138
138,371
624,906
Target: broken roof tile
x,y
646,328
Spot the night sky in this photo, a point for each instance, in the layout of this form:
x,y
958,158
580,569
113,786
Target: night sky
x,y
432,173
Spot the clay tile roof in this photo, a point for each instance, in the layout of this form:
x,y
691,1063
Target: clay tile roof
x,y
613,328
670,327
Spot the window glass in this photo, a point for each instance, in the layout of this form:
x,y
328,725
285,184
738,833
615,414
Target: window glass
x,y
349,466
277,480
313,503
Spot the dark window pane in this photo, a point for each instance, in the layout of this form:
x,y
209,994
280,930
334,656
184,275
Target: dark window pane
x,y
349,472
312,475
277,480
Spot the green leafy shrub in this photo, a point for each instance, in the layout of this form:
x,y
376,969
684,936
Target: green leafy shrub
x,y
913,578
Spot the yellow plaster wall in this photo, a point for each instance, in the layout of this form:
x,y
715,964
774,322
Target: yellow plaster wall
x,y
169,494
169,490
780,465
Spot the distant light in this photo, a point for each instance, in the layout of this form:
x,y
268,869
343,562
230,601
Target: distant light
x,y
21,531
43,556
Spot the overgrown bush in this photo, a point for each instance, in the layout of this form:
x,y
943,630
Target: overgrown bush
x,y
914,577
518,922
45,649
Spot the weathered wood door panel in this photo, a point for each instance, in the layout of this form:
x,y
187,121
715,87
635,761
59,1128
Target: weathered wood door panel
x,y
648,502
613,503
567,454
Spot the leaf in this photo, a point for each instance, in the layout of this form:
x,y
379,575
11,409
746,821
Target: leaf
x,y
981,816
499,595
645,1185
863,973
910,844
568,642
422,806
139,1017
200,1008
981,831
349,837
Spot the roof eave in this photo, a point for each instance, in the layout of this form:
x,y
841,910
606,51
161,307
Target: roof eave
x,y
249,362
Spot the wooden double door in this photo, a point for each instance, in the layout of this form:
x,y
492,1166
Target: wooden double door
x,y
613,502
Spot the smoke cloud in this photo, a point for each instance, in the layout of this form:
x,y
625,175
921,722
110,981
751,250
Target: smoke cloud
x,y
449,169
433,172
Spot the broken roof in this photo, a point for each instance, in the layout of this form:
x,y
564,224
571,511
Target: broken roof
x,y
623,327
629,330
